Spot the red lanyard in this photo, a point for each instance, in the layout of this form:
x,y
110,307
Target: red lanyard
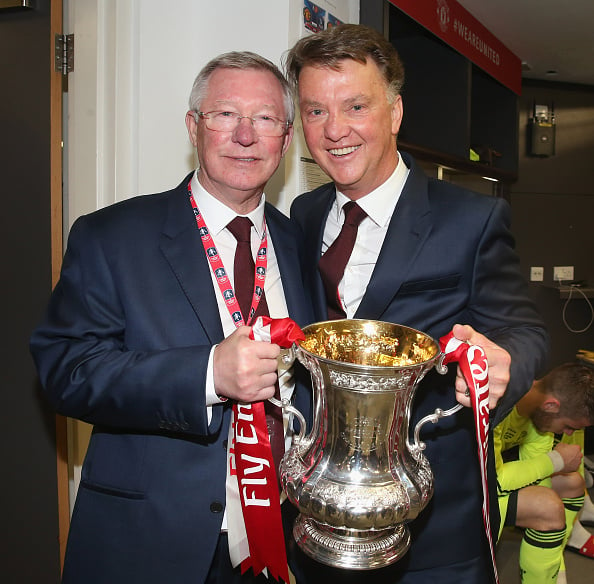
x,y
218,269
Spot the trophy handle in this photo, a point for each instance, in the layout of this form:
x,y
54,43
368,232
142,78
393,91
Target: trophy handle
x,y
286,406
440,366
288,357
433,418
442,369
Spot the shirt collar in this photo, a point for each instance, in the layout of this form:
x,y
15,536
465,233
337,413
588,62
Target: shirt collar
x,y
217,215
380,203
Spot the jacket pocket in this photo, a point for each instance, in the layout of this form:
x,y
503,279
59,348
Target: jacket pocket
x,y
443,283
105,490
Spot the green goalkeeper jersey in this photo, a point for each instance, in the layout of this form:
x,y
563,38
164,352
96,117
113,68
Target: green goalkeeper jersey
x,y
533,465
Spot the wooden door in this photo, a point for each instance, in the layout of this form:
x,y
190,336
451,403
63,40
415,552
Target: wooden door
x,y
31,440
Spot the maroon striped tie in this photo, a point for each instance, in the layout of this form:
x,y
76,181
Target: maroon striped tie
x,y
333,263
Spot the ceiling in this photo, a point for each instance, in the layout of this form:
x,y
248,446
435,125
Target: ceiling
x,y
547,35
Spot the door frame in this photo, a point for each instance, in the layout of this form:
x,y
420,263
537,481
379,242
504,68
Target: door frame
x,y
56,201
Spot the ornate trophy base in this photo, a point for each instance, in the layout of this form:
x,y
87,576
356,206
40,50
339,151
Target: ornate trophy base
x,y
350,548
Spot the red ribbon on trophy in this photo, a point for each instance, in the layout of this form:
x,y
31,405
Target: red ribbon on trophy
x,y
280,331
252,465
474,367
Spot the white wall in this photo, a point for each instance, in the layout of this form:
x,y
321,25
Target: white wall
x,y
135,62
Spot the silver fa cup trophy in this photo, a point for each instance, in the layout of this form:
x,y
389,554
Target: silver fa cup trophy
x,y
357,477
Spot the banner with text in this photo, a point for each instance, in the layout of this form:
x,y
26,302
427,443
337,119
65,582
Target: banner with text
x,y
454,25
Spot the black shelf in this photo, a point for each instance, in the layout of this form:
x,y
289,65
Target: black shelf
x,y
576,292
458,163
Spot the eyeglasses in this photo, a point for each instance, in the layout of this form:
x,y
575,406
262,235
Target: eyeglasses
x,y
264,125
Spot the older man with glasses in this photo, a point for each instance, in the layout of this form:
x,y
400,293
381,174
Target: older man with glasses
x,y
143,339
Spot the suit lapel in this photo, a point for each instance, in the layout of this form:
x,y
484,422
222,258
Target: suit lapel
x,y
316,219
287,256
409,227
181,245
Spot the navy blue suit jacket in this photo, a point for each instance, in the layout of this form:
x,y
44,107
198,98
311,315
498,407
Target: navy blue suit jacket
x,y
447,258
124,346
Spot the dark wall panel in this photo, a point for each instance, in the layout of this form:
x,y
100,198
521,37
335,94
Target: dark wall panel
x,y
553,210
28,490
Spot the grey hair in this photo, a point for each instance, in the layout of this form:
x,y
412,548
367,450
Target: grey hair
x,y
240,60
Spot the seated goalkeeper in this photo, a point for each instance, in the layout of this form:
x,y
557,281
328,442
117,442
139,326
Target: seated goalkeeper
x,y
541,489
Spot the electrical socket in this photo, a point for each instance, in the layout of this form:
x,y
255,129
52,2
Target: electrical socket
x,y
563,273
536,274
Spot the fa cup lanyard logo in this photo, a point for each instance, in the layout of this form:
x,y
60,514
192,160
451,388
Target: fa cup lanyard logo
x,y
218,269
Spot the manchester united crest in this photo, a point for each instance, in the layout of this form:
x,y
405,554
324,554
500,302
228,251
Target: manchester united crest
x,y
443,15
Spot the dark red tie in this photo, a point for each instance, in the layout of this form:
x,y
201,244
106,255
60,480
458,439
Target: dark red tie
x,y
333,263
243,266
243,277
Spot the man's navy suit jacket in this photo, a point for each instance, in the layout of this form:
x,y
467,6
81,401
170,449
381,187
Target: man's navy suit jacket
x,y
447,258
124,346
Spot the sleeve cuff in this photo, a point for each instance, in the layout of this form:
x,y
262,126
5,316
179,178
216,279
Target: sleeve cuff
x,y
212,398
557,461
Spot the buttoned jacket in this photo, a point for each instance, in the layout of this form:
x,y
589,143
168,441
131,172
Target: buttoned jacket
x,y
125,346
448,257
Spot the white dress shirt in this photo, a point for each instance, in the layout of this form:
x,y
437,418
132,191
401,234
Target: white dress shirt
x,y
217,216
379,206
